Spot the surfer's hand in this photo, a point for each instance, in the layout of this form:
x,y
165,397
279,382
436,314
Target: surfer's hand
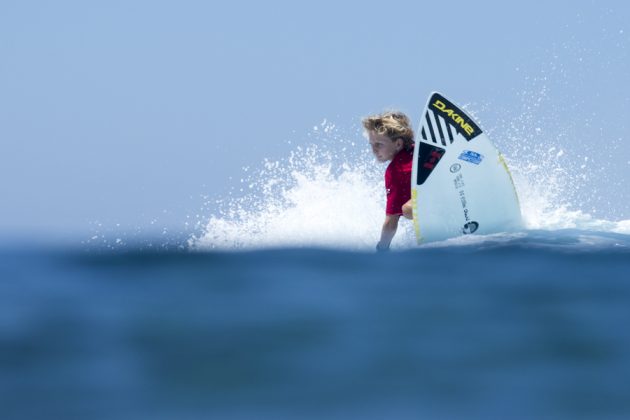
x,y
381,247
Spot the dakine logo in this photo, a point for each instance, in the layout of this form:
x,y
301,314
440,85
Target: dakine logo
x,y
455,168
457,119
470,227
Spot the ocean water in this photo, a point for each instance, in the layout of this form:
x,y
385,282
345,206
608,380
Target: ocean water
x,y
274,305
527,325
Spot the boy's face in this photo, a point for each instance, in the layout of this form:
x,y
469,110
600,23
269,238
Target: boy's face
x,y
383,147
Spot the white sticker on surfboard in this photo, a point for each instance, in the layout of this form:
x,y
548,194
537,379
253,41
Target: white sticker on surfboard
x,y
460,183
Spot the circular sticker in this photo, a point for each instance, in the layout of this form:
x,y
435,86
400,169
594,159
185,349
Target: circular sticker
x,y
470,227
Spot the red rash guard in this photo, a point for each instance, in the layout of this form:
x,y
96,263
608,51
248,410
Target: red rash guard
x,y
398,181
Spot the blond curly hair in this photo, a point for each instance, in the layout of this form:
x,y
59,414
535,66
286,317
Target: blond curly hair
x,y
393,124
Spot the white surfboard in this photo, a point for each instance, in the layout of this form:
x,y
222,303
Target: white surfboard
x,y
460,183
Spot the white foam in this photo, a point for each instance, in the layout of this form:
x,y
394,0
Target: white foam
x,y
328,195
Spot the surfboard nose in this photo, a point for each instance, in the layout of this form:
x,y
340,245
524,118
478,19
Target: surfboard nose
x,y
460,183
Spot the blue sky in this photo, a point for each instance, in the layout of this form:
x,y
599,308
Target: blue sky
x,y
127,111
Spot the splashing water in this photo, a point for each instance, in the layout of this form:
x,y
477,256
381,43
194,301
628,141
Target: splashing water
x,y
545,191
560,182
331,194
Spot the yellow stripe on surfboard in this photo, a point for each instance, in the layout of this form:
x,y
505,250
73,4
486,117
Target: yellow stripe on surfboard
x,y
502,160
416,224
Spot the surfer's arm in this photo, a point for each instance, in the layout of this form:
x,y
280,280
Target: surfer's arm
x,y
389,230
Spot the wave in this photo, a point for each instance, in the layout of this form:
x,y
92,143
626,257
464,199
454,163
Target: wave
x,y
330,194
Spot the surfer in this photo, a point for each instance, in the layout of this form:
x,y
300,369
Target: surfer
x,y
391,138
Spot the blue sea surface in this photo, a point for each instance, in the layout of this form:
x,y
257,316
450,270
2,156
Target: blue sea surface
x,y
530,326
